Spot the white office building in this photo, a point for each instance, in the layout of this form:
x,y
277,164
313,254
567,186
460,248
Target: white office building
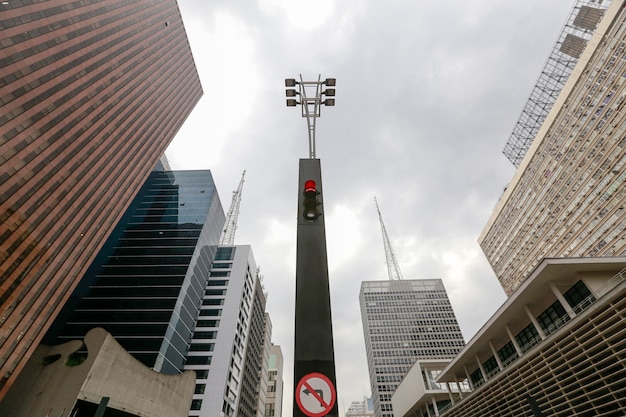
x,y
403,321
230,345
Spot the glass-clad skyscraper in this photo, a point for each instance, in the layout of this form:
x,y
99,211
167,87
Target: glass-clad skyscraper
x,y
146,285
403,321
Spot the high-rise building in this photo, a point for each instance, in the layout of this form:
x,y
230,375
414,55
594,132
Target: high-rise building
x,y
228,350
91,94
146,285
274,403
568,196
403,321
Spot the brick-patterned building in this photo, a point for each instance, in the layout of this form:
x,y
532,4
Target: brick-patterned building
x,y
91,94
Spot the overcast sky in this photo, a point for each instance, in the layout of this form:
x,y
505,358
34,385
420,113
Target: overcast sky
x,y
428,93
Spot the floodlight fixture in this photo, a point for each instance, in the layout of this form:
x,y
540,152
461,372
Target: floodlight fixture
x,y
311,102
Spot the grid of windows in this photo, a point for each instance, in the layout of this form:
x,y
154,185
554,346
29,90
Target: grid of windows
x,y
89,101
404,321
568,197
136,285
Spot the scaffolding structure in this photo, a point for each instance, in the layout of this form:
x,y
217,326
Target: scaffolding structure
x,y
578,30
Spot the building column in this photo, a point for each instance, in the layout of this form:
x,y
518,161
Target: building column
x,y
516,345
435,406
495,355
450,393
535,323
480,366
469,379
568,308
458,386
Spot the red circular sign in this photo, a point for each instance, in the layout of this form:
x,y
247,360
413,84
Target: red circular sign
x,y
315,395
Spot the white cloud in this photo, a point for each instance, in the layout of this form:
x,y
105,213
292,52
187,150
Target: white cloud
x,y
427,95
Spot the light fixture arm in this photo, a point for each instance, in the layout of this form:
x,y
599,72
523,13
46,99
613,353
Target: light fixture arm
x,y
310,105
311,116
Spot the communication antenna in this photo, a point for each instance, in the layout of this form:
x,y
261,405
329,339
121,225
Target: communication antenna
x,y
230,226
392,263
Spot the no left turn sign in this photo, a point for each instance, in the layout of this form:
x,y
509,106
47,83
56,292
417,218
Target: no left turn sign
x,y
315,395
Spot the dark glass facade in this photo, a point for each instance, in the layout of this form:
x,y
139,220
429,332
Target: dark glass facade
x,y
147,284
91,94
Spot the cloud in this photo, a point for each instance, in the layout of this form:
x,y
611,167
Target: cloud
x,y
427,95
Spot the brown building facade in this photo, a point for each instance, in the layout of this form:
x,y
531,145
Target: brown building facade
x,y
91,94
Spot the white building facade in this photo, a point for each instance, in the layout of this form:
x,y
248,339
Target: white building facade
x,y
228,350
403,321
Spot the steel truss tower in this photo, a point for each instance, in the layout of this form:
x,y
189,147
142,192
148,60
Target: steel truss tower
x,y
393,267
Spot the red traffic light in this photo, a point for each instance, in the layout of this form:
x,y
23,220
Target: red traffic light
x,y
310,185
311,204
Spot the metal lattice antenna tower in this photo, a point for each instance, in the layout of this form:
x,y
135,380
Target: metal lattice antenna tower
x,y
392,263
230,226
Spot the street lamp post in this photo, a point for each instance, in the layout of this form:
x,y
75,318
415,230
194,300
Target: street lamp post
x,y
315,393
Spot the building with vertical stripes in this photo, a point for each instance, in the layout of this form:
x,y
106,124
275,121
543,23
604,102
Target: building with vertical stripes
x,y
91,94
403,321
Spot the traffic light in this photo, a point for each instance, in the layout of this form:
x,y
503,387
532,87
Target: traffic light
x,y
311,203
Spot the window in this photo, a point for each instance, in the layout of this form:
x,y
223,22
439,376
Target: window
x,y
212,291
211,312
577,293
196,404
198,360
222,265
204,335
225,254
217,283
199,390
201,347
201,373
528,337
213,302
553,317
208,323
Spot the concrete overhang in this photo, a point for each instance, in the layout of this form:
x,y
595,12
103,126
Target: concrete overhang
x,y
535,290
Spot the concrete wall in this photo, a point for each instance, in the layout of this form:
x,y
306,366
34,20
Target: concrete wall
x,y
108,371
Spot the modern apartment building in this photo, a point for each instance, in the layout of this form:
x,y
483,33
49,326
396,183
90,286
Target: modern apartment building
x,y
568,196
275,386
230,350
146,285
91,94
556,347
403,321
